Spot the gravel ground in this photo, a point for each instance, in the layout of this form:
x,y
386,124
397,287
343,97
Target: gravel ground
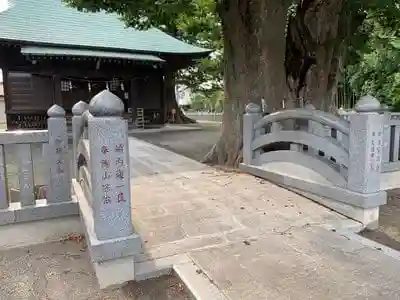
x,y
388,232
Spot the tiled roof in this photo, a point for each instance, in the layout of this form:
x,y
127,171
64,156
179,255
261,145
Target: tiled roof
x,y
51,22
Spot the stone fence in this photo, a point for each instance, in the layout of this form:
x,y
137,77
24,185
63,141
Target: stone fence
x,y
333,161
28,201
102,186
32,213
204,116
391,138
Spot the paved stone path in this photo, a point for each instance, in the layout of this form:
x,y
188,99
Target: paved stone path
x,y
252,239
62,271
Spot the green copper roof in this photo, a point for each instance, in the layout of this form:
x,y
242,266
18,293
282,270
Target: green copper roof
x,y
51,22
50,51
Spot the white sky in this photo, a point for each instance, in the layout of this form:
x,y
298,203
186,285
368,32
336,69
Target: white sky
x,y
3,4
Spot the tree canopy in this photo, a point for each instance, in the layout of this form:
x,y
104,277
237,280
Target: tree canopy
x,y
288,52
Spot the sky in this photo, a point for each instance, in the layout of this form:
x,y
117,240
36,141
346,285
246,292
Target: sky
x,y
3,4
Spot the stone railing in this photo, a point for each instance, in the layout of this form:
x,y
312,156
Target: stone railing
x,y
391,142
334,161
102,186
391,138
25,200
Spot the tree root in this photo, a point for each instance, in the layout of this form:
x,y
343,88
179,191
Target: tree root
x,y
218,155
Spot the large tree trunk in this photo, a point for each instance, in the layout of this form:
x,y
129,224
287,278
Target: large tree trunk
x,y
254,54
170,102
316,39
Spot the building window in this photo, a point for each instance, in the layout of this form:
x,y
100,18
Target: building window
x,y
114,84
66,85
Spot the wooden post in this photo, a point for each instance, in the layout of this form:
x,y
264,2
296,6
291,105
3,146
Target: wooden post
x,y
77,129
109,167
252,115
57,153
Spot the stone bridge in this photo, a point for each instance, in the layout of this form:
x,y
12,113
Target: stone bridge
x,y
146,211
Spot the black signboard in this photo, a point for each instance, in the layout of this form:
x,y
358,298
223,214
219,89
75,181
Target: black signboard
x,y
26,121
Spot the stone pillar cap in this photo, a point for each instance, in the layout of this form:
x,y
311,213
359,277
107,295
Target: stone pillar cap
x,y
368,103
252,108
79,108
56,111
106,104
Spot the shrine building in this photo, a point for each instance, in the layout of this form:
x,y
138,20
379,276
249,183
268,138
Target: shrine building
x,y
54,54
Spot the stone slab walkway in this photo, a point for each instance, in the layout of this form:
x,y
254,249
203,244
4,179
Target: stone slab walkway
x,y
252,239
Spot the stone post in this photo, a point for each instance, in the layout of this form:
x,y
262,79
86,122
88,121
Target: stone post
x,y
365,146
386,134
251,117
77,129
57,155
109,167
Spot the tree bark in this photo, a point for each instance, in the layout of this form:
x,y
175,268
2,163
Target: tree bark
x,y
254,54
315,42
170,102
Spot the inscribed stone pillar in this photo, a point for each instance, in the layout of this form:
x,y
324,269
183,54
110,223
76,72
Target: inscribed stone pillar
x,y
77,130
250,118
57,156
109,154
365,146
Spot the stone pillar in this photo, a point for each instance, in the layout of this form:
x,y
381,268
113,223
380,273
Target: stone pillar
x,y
77,129
109,167
365,149
57,155
365,157
251,117
386,134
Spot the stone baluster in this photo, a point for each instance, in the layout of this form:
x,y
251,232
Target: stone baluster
x,y
57,155
77,129
109,167
317,129
251,117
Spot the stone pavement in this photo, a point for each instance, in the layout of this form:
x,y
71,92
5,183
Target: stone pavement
x,y
252,239
62,271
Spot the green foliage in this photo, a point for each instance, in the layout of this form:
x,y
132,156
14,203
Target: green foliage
x,y
373,65
212,101
371,62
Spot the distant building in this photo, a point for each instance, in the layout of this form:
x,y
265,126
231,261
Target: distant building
x,y
54,54
183,95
